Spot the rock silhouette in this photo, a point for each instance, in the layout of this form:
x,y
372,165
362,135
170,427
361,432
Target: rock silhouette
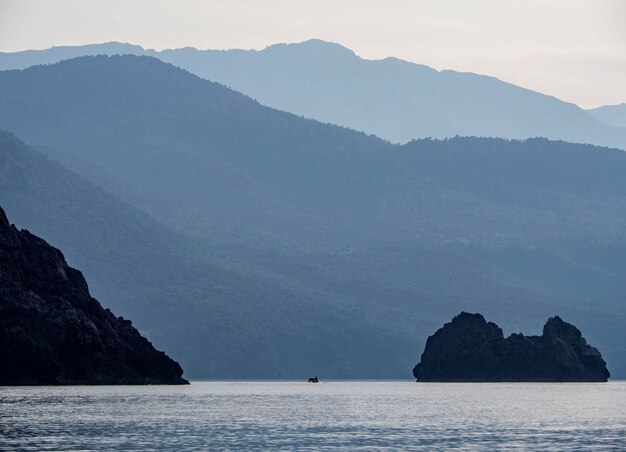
x,y
53,332
471,349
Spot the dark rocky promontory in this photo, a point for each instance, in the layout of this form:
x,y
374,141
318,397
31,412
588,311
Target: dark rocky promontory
x,y
53,332
471,349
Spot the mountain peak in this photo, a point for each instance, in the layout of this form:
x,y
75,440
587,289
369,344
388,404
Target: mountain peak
x,y
106,48
5,227
555,327
311,47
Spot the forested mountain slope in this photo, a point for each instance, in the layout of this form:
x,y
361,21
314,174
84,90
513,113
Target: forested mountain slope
x,y
220,323
391,98
388,239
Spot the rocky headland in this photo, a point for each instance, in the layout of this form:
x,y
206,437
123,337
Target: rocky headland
x,y
52,332
471,349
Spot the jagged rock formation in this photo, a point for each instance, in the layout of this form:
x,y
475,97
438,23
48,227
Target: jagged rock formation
x,y
53,332
472,349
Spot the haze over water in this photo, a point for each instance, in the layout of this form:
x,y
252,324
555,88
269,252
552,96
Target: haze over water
x,y
345,415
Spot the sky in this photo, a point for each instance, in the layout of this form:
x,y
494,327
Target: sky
x,y
572,49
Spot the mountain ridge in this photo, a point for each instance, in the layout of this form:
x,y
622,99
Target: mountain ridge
x,y
373,235
613,115
220,321
341,88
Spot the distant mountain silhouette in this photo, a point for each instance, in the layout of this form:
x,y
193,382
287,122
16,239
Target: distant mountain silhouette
x,y
181,137
371,240
27,58
391,98
218,320
612,115
220,157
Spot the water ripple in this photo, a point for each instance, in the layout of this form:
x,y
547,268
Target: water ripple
x,y
332,415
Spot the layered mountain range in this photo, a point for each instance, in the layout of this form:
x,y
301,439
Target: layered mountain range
x,y
391,98
220,317
250,242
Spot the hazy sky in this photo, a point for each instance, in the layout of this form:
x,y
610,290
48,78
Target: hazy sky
x,y
572,49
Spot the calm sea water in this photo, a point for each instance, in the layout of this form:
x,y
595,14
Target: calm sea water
x,y
347,415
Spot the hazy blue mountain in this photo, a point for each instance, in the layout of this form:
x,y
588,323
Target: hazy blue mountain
x,y
222,158
345,313
27,58
613,115
218,322
183,138
391,98
387,240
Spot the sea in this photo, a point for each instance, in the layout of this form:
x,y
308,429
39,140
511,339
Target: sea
x,y
331,415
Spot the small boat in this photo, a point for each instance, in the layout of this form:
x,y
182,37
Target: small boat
x,y
314,380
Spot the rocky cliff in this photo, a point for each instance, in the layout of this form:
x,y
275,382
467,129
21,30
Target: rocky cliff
x,y
53,332
471,349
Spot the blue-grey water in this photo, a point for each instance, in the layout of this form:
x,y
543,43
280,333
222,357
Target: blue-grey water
x,y
347,415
